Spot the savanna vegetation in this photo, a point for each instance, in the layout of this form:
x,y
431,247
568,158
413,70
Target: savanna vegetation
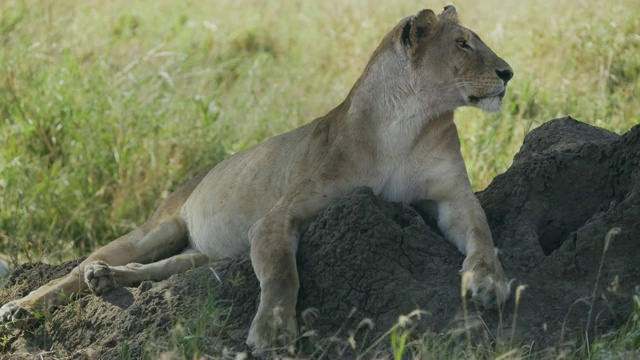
x,y
107,106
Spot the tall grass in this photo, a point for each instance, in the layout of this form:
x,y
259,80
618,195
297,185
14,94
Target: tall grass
x,y
106,106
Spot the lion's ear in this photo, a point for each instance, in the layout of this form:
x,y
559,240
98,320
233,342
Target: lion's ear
x,y
450,14
420,26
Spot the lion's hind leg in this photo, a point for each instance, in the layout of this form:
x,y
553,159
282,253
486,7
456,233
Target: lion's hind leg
x,y
159,239
100,277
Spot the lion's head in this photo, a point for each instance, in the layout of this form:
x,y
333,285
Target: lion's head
x,y
453,57
439,63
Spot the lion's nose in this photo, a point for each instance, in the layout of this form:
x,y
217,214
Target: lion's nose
x,y
505,75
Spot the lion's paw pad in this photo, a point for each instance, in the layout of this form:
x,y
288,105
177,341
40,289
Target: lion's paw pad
x,y
99,277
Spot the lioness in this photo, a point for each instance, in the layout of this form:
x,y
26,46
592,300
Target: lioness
x,y
394,133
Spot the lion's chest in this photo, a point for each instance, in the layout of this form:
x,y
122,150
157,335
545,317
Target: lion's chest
x,y
394,182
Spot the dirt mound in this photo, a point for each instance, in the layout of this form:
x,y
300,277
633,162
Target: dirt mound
x,y
363,258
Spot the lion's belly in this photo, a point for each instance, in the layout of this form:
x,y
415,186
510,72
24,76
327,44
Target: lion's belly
x,y
221,210
237,193
218,236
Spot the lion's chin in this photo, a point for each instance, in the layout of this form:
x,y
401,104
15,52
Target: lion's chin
x,y
489,104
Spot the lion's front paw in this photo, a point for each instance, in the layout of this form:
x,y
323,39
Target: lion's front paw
x,y
15,314
99,277
484,278
272,327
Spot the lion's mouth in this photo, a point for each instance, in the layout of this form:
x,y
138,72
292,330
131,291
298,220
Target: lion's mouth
x,y
476,99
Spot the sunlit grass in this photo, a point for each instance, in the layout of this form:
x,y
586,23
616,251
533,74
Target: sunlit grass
x,y
106,106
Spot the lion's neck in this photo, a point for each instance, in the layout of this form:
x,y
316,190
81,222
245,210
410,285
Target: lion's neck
x,y
386,101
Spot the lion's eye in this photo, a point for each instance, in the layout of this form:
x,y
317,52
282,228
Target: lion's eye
x,y
463,44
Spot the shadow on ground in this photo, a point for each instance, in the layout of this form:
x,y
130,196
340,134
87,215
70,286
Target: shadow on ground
x,y
363,258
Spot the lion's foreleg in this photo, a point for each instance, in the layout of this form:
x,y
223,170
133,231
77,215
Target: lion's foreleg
x,y
464,223
273,255
274,241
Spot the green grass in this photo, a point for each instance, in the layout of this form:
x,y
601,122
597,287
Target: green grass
x,y
107,106
198,330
